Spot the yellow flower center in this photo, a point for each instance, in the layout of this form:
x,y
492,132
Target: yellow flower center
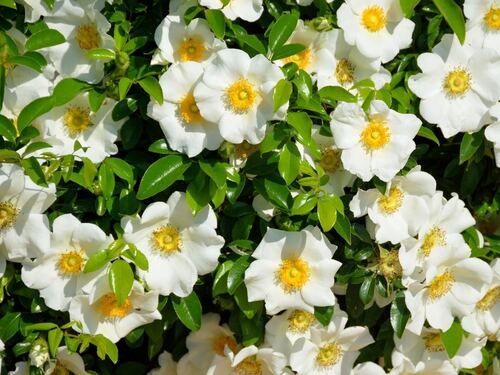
x,y
167,239
245,149
299,321
329,354
492,18
373,18
220,342
77,120
302,59
433,238
71,262
376,134
344,72
241,96
192,49
189,111
8,215
108,306
293,274
87,37
249,366
388,264
60,370
433,342
441,285
392,202
330,159
491,298
457,82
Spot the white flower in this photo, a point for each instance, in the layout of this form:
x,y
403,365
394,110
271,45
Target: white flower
x,y
424,368
22,368
248,10
368,368
485,319
100,313
492,132
58,273
401,211
263,208
179,117
39,353
66,362
236,92
483,23
377,143
179,42
283,330
330,350
377,27
292,270
24,229
452,286
84,28
343,65
457,86
441,233
75,121
178,245
428,347
330,161
167,365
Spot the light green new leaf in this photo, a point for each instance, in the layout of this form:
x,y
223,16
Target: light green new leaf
x,y
100,54
289,162
216,21
121,279
67,89
152,87
453,15
452,339
408,6
43,39
327,212
282,93
330,94
8,3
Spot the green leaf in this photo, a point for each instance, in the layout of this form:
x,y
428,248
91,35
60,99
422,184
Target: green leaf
x,y
429,134
9,325
282,30
274,192
302,123
161,174
2,84
7,129
249,309
367,289
323,314
123,86
303,204
138,257
399,314
96,261
9,156
54,338
216,21
121,279
282,93
43,39
33,110
330,94
33,169
469,145
452,339
289,162
287,50
343,227
453,15
236,274
40,327
216,171
408,6
124,108
198,192
106,179
188,309
152,87
8,3
67,89
96,98
122,169
327,211
27,61
105,348
100,54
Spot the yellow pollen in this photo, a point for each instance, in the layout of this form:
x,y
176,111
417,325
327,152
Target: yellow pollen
x,y
300,321
433,238
433,342
241,96
329,354
344,72
108,306
293,274
373,18
302,59
388,264
245,149
71,262
88,37
77,120
60,370
441,285
249,366
220,342
8,215
376,134
391,203
492,18
192,49
167,239
330,159
189,111
457,82
491,298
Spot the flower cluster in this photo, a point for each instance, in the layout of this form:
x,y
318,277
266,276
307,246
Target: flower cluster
x,y
249,187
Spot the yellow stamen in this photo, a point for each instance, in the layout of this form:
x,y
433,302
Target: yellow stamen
x,y
192,49
166,239
8,215
490,299
388,264
60,370
329,354
88,37
492,18
330,159
249,366
241,96
189,111
441,285
77,120
344,72
433,238
220,342
302,59
71,262
108,306
433,342
245,149
300,321
373,18
457,82
391,203
293,274
376,134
